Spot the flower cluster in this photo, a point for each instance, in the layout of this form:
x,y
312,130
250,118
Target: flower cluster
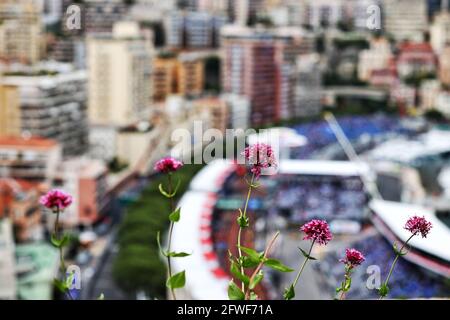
x,y
259,156
317,230
56,200
168,165
418,225
353,258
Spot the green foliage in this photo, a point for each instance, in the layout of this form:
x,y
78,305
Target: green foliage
x,y
175,216
138,265
289,293
277,265
383,291
177,280
234,292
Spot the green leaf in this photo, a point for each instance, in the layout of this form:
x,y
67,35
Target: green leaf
x,y
383,291
101,296
253,296
60,243
252,254
60,285
234,293
256,280
306,255
175,216
178,254
235,270
158,240
247,262
277,265
348,284
177,280
398,251
338,290
289,293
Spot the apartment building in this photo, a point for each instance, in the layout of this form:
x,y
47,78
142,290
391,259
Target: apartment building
x,y
29,158
53,104
260,64
21,31
10,122
405,19
119,76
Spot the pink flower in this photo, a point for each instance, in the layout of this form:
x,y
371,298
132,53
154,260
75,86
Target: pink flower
x,y
168,165
259,156
56,200
353,257
317,230
418,225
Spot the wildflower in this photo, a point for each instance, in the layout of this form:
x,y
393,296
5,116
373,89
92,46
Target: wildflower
x,y
56,200
259,156
353,257
418,225
318,231
168,165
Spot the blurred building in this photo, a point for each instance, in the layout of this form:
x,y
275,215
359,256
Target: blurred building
x,y
8,286
101,15
181,74
69,50
239,111
308,88
193,29
429,91
9,111
119,76
32,159
190,74
86,181
260,64
443,103
21,31
325,13
416,59
377,57
52,11
405,19
216,108
444,66
36,266
19,202
53,104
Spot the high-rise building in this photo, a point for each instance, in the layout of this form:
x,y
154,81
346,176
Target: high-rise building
x,y
20,31
9,111
181,74
119,76
308,88
193,29
217,110
239,111
190,74
405,19
53,104
260,64
100,15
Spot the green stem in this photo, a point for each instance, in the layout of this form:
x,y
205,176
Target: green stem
x,y
169,264
62,264
303,265
395,262
249,193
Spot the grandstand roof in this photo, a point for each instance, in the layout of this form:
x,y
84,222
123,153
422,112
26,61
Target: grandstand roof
x,y
395,215
315,167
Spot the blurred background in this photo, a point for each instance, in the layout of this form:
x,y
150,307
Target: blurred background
x,y
91,92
